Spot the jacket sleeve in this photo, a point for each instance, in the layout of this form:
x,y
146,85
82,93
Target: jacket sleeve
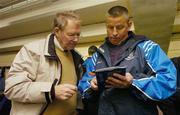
x,y
84,83
21,84
162,84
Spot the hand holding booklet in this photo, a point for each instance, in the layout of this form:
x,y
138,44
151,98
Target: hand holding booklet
x,y
103,73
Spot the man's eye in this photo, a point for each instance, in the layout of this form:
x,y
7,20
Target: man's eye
x,y
73,35
78,34
119,27
111,27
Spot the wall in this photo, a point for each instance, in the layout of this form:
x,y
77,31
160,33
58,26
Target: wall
x,y
174,46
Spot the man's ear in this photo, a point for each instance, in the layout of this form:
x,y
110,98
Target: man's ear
x,y
129,24
56,29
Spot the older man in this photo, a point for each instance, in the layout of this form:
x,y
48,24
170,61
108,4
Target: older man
x,y
150,74
44,74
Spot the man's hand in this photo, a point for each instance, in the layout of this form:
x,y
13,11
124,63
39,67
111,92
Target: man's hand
x,y
65,91
119,81
93,84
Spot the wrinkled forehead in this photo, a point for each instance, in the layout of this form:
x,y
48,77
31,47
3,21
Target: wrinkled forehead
x,y
72,24
72,27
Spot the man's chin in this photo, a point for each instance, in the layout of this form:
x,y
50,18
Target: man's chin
x,y
71,48
115,42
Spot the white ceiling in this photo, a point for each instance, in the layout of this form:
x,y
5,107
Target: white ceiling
x,y
6,3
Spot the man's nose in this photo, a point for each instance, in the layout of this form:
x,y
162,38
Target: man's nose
x,y
76,38
115,31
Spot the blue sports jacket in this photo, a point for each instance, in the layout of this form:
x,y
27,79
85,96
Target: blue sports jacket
x,y
154,75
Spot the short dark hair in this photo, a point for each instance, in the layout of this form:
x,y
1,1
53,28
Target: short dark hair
x,y
92,49
116,11
62,18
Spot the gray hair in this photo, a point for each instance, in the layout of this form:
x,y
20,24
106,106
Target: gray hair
x,y
62,18
117,11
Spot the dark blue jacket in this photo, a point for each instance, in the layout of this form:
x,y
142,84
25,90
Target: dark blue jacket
x,y
5,104
154,78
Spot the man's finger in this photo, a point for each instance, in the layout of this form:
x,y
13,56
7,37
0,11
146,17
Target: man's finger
x,y
70,86
119,76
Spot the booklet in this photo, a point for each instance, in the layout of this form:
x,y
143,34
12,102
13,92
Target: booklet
x,y
103,73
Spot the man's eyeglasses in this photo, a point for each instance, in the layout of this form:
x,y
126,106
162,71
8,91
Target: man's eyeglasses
x,y
74,35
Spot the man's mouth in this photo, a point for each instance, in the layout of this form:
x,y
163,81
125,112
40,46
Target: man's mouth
x,y
114,38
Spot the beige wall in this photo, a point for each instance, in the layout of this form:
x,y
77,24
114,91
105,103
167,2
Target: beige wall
x,y
174,46
7,58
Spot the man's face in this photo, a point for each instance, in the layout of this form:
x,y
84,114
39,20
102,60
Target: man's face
x,y
69,37
117,29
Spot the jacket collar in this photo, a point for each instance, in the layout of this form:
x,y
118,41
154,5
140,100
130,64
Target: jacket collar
x,y
49,50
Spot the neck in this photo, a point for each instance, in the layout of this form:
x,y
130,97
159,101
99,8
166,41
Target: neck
x,y
59,44
125,37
